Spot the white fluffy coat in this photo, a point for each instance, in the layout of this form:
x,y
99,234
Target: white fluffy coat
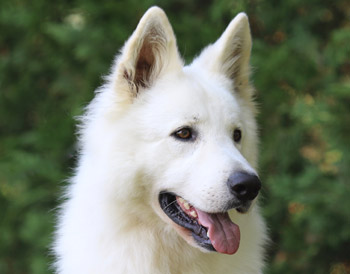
x,y
111,221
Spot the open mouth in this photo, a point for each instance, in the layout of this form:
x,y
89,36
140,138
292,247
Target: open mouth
x,y
212,231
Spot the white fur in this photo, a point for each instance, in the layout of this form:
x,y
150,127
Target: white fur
x,y
111,221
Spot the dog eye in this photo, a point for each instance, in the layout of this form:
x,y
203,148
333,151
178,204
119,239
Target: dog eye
x,y
237,135
183,134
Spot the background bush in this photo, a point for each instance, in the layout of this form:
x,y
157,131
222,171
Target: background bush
x,y
52,57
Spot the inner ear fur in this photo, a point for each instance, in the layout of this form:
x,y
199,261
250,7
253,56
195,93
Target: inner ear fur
x,y
149,59
236,46
230,55
150,51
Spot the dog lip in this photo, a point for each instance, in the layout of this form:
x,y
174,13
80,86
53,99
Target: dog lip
x,y
239,207
242,209
211,231
173,210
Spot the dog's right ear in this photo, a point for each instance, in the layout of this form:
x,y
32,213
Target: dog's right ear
x,y
150,51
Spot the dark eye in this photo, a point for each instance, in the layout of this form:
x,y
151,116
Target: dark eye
x,y
237,135
183,134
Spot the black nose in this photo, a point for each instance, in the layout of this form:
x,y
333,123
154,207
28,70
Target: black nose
x,y
244,186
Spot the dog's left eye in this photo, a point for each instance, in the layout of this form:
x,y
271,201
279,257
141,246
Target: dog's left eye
x,y
183,134
237,135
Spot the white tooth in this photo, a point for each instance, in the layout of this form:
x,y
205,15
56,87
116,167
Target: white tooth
x,y
186,205
181,200
193,213
208,233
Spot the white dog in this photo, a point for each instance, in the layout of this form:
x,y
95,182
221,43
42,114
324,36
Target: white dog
x,y
167,181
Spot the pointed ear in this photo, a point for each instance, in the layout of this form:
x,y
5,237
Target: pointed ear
x,y
230,54
150,51
235,44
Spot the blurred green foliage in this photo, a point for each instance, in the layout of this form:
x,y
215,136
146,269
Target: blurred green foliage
x,y
52,57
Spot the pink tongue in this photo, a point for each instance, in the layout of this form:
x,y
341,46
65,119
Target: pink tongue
x,y
223,233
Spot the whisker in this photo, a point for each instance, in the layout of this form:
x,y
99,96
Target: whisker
x,y
170,204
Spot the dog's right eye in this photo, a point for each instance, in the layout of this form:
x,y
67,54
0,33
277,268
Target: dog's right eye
x,y
184,134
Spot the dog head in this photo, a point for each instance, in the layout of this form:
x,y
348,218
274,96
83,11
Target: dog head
x,y
191,129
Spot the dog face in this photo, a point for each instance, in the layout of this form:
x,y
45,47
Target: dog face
x,y
202,132
195,128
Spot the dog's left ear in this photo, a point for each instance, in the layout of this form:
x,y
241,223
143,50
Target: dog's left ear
x,y
230,54
150,51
